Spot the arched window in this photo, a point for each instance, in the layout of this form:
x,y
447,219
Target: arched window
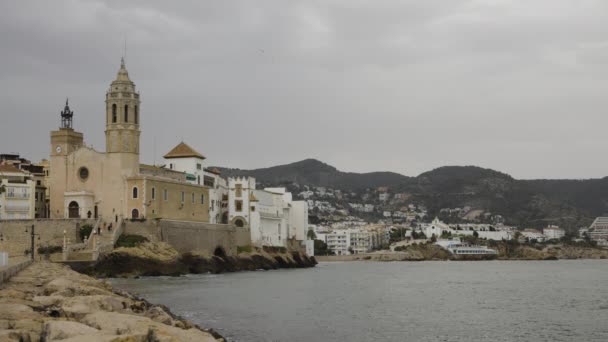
x,y
135,192
135,213
114,113
126,113
136,113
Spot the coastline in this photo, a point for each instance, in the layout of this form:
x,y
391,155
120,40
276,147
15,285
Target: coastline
x,y
435,253
159,259
51,301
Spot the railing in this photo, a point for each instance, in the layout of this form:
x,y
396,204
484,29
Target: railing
x,y
18,195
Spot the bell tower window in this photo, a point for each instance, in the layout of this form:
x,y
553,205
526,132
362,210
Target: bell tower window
x,y
136,114
114,113
126,113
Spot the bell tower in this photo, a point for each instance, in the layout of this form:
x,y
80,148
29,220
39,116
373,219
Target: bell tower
x,y
122,115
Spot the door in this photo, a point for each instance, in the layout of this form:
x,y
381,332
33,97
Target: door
x,y
73,210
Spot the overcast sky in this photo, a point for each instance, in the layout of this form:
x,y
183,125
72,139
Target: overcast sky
x,y
404,86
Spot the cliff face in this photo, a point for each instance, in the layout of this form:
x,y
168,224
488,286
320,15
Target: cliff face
x,y
141,261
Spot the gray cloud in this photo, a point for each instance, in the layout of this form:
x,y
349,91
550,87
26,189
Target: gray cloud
x,y
406,86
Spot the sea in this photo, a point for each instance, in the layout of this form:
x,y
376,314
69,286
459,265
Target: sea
x,y
562,300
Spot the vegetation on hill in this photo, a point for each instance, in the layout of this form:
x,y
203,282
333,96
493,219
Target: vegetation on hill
x,y
525,203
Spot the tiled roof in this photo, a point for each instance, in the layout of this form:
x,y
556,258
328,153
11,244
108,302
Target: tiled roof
x,y
183,151
9,168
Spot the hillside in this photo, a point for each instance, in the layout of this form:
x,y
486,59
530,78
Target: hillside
x,y
529,203
316,173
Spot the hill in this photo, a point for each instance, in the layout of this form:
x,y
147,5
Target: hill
x,y
316,173
526,203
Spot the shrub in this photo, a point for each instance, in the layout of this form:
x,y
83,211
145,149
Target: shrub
x,y
243,249
126,240
274,249
49,249
85,231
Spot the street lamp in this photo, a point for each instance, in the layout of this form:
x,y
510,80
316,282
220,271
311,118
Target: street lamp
x,y
32,243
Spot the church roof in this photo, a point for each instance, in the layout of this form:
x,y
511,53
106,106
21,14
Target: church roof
x,y
183,151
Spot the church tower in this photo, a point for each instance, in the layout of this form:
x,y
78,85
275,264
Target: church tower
x,y
122,115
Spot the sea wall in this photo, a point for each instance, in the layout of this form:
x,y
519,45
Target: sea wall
x,y
50,232
187,236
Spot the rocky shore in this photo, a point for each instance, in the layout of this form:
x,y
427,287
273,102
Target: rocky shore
x,y
49,302
156,259
506,251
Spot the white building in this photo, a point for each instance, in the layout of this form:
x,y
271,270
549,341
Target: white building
x,y
16,194
357,240
553,232
598,231
533,234
184,158
437,228
272,215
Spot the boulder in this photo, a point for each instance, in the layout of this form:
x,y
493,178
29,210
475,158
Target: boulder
x,y
60,330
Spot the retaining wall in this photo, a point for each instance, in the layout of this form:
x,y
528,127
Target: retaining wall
x,y
15,240
187,236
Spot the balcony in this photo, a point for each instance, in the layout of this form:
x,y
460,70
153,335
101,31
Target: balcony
x,y
16,195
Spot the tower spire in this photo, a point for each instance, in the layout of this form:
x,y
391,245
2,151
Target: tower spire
x,y
66,116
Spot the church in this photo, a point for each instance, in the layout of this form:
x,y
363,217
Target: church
x,y
85,183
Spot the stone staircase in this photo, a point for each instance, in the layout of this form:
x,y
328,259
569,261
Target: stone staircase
x,y
96,245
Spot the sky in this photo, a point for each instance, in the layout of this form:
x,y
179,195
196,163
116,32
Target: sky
x,y
402,86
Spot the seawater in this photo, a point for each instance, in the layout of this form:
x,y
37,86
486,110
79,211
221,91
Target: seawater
x,y
395,301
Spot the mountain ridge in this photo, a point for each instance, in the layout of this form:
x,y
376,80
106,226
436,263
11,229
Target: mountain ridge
x,y
536,202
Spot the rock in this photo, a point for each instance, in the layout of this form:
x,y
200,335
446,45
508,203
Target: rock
x,y
60,330
79,306
17,312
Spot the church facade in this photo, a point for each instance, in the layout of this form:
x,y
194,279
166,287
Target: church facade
x,y
85,183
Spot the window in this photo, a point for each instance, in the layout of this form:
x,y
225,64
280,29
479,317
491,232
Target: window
x,y
238,205
135,192
171,166
83,173
165,194
126,113
212,205
202,198
252,208
38,182
199,166
153,193
183,197
114,113
238,190
193,201
136,114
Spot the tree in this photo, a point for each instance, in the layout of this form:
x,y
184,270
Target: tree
x,y
475,234
311,235
433,238
321,248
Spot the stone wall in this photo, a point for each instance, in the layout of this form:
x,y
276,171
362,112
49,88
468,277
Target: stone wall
x,y
15,240
188,236
7,272
243,237
149,229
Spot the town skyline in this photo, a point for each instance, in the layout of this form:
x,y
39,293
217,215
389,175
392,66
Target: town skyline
x,y
414,92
